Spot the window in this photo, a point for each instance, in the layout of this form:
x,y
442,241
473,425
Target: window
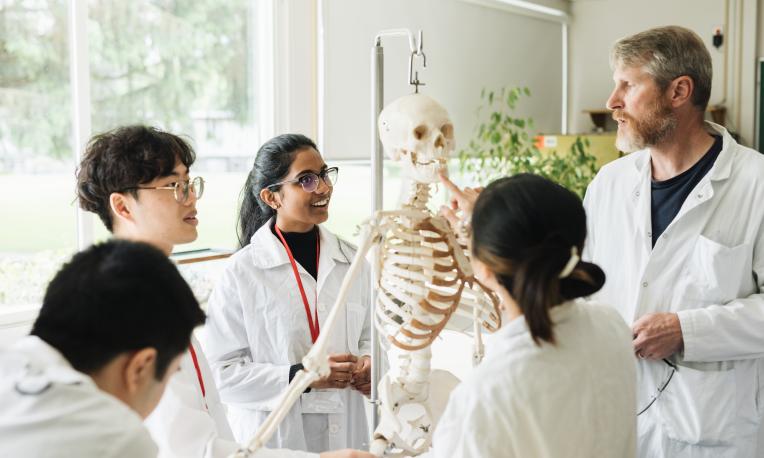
x,y
36,156
193,68
188,67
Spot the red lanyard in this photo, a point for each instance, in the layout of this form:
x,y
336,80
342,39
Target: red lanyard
x,y
198,371
312,322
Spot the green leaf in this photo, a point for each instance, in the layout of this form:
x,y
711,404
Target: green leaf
x,y
502,145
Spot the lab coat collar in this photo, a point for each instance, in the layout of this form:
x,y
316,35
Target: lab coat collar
x,y
40,351
269,252
44,363
722,167
519,327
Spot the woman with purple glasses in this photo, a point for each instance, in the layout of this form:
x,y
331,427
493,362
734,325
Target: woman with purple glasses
x,y
270,304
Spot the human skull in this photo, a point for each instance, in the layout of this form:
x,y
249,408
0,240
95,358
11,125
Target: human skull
x,y
417,130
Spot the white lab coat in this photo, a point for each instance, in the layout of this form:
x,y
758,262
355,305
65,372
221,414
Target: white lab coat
x,y
186,424
708,267
568,400
257,329
48,409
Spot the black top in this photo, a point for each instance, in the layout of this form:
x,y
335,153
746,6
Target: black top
x,y
668,196
303,246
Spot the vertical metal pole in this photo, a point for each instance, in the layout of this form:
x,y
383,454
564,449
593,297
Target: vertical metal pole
x,y
79,64
564,120
377,99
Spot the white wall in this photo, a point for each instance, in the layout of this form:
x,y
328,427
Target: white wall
x,y
597,24
468,47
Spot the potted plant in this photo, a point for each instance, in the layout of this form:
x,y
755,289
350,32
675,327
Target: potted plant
x,y
502,146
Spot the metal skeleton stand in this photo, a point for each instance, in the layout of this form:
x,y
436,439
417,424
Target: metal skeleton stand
x,y
377,101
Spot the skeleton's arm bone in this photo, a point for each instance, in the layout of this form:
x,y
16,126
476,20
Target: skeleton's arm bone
x,y
299,384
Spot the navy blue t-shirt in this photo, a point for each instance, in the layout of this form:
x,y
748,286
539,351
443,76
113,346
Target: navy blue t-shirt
x,y
668,196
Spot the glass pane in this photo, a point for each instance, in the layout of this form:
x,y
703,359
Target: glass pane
x,y
187,67
36,156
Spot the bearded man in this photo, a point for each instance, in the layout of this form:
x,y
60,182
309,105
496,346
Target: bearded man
x,y
677,227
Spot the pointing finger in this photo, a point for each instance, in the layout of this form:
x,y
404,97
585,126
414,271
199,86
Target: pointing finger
x,y
450,185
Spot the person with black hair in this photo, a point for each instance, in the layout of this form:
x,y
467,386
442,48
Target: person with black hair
x,y
113,327
136,179
268,308
559,378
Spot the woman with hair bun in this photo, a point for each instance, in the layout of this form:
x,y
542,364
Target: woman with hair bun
x,y
559,378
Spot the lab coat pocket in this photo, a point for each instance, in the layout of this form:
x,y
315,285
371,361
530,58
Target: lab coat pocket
x,y
322,401
718,273
698,407
356,315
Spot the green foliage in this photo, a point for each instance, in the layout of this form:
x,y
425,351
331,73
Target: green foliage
x,y
502,146
163,62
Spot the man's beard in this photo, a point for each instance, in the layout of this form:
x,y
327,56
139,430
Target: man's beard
x,y
654,127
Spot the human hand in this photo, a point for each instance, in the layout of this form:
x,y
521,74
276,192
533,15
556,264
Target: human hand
x,y
461,201
657,336
341,366
361,380
347,453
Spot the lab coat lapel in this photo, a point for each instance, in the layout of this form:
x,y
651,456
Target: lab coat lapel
x,y
326,260
268,252
711,183
331,255
640,199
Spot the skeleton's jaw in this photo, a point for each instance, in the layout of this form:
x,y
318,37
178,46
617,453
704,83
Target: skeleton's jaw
x,y
424,168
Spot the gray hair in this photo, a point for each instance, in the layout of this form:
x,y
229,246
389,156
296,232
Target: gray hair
x,y
667,53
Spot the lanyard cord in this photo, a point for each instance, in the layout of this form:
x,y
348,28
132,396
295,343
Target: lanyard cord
x,y
198,371
312,323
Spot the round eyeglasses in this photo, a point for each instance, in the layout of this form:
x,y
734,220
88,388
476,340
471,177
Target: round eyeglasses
x,y
181,189
309,181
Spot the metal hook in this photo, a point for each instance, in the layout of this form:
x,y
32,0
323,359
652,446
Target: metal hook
x,y
417,51
414,81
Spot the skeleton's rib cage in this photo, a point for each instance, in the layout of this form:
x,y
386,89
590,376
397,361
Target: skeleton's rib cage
x,y
422,284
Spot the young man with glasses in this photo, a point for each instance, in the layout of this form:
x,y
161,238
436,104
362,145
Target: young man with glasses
x,y
137,180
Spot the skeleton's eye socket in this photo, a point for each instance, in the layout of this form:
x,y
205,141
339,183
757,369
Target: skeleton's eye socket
x,y
420,132
448,130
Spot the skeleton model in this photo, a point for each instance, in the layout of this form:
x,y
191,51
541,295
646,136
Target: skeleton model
x,y
425,284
